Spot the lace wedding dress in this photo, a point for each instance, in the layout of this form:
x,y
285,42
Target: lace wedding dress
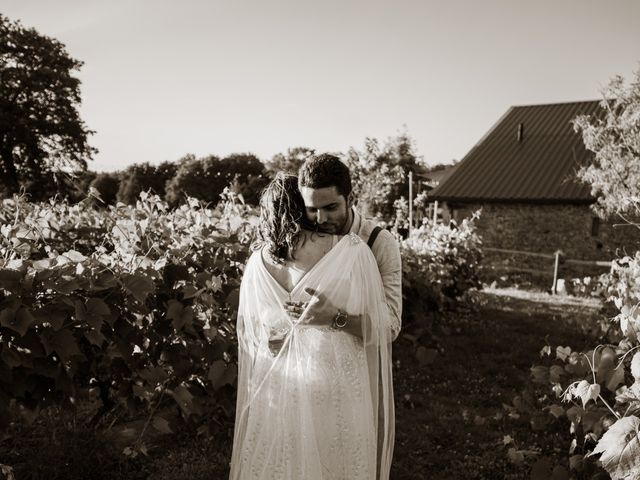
x,y
321,408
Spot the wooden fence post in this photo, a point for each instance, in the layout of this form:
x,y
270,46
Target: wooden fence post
x,y
554,288
410,201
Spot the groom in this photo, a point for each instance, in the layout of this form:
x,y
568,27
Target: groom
x,y
325,184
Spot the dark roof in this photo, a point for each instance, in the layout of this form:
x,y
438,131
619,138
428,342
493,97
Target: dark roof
x,y
539,168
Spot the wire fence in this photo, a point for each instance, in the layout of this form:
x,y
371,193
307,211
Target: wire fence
x,y
556,267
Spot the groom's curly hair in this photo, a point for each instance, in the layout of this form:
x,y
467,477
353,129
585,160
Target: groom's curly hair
x,y
282,215
325,170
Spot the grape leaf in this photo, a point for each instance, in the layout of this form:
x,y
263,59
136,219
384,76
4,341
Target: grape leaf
x,y
635,366
216,373
138,285
183,398
153,375
190,291
61,342
620,449
95,337
587,391
74,256
540,374
576,462
546,351
11,358
629,394
233,299
142,391
563,352
179,314
10,279
556,410
614,378
40,265
19,321
556,372
605,364
161,425
230,374
577,365
96,306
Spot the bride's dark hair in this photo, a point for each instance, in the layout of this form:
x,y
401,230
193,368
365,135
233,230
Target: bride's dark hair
x,y
282,216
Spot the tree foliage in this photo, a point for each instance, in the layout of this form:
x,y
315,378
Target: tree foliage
x,y
380,174
107,184
206,178
603,383
41,132
614,137
291,161
142,177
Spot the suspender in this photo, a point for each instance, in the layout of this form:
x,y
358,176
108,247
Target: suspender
x,y
373,236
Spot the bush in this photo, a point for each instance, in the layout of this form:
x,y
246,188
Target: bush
x,y
440,265
143,318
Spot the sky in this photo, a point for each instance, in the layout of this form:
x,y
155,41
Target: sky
x,y
162,79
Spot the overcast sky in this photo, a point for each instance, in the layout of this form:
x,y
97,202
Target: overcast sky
x,y
165,78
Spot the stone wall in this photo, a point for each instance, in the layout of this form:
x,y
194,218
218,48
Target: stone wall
x,y
573,229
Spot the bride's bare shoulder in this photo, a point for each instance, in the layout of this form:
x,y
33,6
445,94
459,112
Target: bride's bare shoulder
x,y
316,239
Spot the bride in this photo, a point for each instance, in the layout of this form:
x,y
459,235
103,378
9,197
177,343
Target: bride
x,y
315,397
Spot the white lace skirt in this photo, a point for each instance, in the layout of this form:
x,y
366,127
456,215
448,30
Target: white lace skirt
x,y
324,427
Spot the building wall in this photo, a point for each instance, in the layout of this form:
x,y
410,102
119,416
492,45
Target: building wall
x,y
545,229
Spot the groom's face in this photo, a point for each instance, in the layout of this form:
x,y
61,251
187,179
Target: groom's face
x,y
327,209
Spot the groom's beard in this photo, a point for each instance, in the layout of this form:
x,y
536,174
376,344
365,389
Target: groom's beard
x,y
334,228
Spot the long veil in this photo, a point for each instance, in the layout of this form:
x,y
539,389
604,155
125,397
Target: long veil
x,y
322,407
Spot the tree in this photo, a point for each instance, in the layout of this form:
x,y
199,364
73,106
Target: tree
x,y
291,161
247,175
205,178
614,137
141,177
41,132
440,166
380,175
107,184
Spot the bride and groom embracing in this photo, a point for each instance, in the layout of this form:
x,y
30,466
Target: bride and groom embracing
x,y
320,304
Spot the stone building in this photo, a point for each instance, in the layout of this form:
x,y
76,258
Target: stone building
x,y
522,175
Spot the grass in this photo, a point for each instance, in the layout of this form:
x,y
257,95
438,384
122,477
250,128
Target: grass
x,y
451,421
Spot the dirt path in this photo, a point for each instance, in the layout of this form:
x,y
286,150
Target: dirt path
x,y
450,415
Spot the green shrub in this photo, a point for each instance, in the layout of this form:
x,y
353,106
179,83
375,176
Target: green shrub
x,y
440,265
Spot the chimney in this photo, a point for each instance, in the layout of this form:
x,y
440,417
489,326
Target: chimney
x,y
520,132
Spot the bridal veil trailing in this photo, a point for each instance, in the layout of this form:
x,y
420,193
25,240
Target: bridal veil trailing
x,y
322,407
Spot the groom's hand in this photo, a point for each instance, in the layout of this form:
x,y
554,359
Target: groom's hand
x,y
321,311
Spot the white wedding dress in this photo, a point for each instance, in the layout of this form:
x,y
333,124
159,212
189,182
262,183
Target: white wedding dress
x,y
322,408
